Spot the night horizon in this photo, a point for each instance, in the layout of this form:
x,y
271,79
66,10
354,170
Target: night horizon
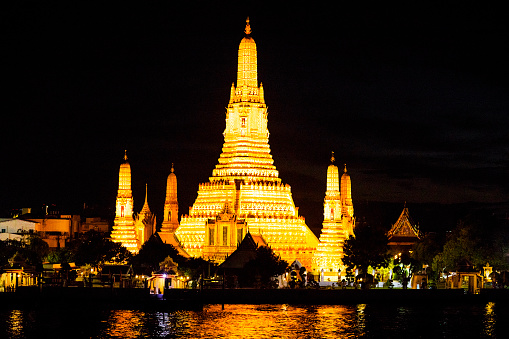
x,y
415,104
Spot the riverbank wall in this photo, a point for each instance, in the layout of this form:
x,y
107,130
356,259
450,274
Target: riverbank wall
x,y
188,298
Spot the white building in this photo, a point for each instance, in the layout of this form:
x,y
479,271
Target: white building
x,y
14,229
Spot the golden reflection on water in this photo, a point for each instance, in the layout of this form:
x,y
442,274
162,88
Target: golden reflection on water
x,y
280,321
238,321
489,319
125,324
16,324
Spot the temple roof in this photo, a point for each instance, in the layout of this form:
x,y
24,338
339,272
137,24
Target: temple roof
x,y
245,252
404,227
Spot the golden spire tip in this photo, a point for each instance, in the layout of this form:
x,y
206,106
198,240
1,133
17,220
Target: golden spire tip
x,y
332,159
248,27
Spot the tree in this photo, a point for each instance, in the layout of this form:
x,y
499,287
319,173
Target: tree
x,y
31,247
35,249
93,248
426,249
193,268
60,256
367,248
480,238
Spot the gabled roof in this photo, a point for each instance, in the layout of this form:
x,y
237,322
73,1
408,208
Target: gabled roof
x,y
404,227
245,252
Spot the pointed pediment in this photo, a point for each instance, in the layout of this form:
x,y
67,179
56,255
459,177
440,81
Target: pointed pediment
x,y
404,226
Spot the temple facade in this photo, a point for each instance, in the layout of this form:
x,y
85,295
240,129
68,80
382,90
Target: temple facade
x,y
338,225
245,192
129,230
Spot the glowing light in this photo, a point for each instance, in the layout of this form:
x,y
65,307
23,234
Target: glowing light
x,y
245,191
338,224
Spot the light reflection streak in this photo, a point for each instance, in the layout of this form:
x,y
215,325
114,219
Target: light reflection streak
x,y
125,324
16,329
490,320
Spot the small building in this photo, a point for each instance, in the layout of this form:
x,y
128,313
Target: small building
x,y
59,274
116,275
466,278
165,279
17,273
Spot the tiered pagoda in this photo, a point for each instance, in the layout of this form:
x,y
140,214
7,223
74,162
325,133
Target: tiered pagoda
x,y
132,232
245,192
170,216
124,230
338,225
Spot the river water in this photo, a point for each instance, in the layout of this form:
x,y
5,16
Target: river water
x,y
263,321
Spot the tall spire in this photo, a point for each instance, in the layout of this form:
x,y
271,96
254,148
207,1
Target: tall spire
x,y
246,150
247,66
170,216
145,209
123,228
346,195
332,179
248,27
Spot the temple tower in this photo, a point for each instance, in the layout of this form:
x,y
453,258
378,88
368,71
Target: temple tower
x,y
245,191
145,223
171,206
123,225
336,227
347,204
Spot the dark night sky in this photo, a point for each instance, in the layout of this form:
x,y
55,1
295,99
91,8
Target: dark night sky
x,y
414,99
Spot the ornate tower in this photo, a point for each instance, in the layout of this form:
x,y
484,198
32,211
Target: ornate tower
x,y
347,204
245,191
123,226
145,223
171,206
337,225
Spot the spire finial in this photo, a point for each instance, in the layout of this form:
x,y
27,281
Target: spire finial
x,y
248,28
125,154
146,192
345,168
172,168
332,159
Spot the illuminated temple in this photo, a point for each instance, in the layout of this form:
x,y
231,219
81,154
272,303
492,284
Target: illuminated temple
x,y
128,229
245,192
338,224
